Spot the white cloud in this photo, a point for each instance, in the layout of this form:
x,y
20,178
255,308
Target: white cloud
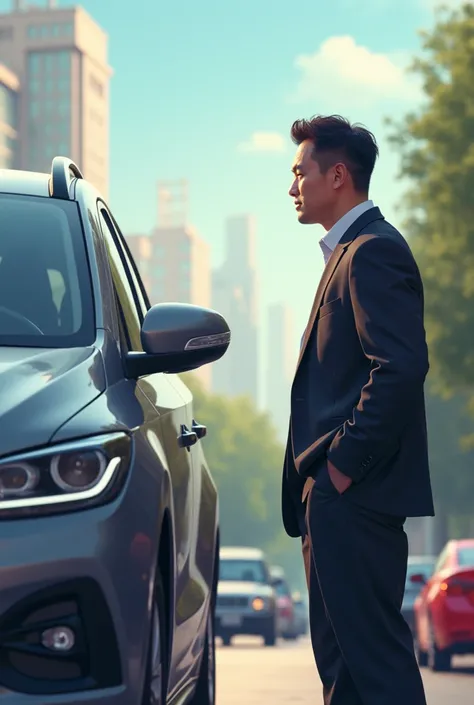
x,y
344,73
264,142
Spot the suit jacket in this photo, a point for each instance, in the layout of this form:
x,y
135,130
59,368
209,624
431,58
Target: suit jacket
x,y
357,397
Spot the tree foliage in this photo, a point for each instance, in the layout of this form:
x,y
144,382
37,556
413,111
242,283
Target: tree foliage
x,y
245,457
452,466
436,144
437,148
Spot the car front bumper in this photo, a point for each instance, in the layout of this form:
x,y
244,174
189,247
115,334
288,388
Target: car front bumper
x,y
91,570
251,624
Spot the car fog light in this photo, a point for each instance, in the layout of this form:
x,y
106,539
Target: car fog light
x,y
58,639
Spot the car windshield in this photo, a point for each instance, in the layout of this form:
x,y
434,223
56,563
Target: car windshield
x,y
425,569
466,556
45,288
247,571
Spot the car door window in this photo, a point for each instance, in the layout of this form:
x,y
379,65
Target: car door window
x,y
126,297
127,258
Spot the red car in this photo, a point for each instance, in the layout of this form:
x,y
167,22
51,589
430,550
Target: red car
x,y
444,609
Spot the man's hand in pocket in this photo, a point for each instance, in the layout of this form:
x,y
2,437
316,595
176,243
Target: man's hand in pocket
x,y
340,481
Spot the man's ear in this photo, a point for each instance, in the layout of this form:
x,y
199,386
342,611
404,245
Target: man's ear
x,y
340,175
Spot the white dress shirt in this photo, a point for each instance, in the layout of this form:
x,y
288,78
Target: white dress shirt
x,y
330,240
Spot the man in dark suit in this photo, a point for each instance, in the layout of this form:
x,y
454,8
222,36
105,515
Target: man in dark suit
x,y
356,463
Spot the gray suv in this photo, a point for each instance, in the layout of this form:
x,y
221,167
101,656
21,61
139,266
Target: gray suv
x,y
246,601
108,512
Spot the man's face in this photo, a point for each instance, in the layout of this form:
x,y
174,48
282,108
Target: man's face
x,y
313,192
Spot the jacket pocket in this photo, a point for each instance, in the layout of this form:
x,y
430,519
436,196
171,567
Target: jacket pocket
x,y
329,307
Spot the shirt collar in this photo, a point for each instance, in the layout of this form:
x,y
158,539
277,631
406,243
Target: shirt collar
x,y
331,239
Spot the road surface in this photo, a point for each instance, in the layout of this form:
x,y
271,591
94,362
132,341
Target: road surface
x,y
285,675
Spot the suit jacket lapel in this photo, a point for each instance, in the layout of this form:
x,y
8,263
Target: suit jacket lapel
x,y
323,284
352,232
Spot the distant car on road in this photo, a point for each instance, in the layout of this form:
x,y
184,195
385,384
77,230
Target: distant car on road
x,y
245,597
286,610
301,610
419,571
108,511
444,609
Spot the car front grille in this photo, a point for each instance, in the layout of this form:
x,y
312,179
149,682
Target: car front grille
x,y
232,601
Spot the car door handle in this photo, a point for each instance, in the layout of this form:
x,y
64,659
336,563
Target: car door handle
x,y
187,438
199,429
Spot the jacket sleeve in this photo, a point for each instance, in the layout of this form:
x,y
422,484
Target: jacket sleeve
x,y
387,300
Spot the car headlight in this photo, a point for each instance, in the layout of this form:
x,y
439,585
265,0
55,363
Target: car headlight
x,y
64,476
259,604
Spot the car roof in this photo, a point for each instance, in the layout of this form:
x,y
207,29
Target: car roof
x,y
464,543
27,183
242,553
61,182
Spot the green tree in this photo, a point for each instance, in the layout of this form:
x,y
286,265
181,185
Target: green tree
x,y
437,150
437,147
245,457
452,466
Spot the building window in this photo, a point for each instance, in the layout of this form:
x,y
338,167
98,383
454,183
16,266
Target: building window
x,y
63,85
34,62
64,108
49,131
33,106
45,31
64,61
49,61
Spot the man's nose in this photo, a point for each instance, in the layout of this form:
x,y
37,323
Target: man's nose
x,y
294,191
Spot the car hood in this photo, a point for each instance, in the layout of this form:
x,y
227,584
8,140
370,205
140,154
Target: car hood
x,y
42,389
231,587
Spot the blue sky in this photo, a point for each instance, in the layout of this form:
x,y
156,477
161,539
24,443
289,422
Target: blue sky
x,y
194,80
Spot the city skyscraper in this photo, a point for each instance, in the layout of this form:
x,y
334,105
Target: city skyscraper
x,y
282,350
9,85
174,261
180,268
58,57
234,294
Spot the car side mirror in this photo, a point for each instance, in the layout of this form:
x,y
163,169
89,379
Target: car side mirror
x,y
177,338
418,579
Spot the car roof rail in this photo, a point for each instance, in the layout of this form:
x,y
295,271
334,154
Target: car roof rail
x,y
63,172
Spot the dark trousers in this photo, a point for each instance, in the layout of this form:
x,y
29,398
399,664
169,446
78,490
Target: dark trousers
x,y
355,562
